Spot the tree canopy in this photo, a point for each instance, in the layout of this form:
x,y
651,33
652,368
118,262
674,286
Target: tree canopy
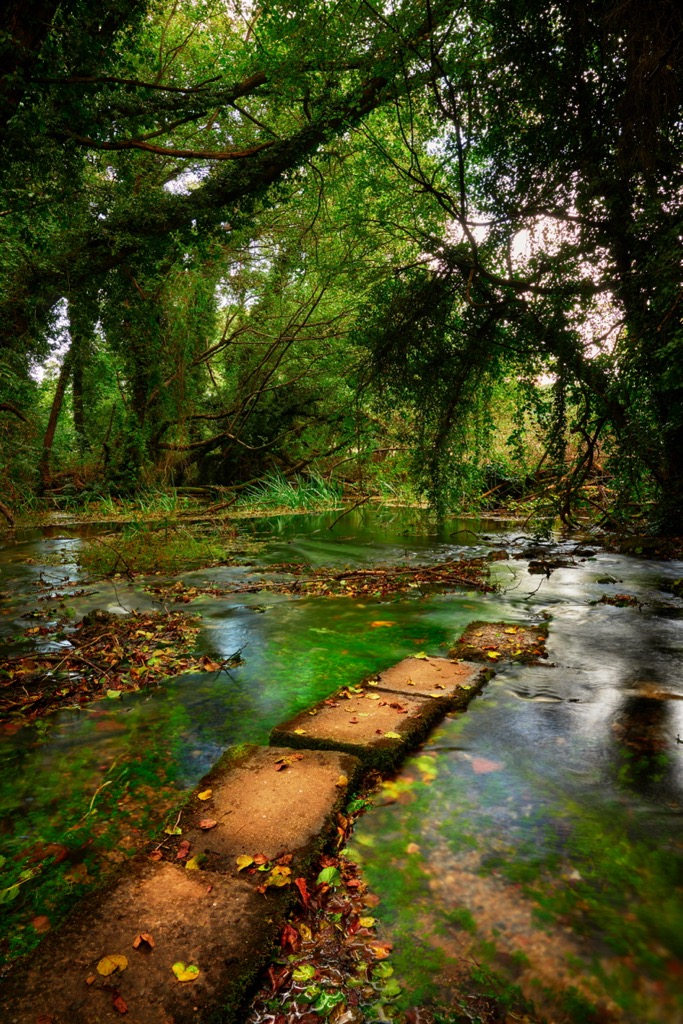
x,y
261,237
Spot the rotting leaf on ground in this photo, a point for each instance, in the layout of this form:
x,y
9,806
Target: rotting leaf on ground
x,y
185,972
112,963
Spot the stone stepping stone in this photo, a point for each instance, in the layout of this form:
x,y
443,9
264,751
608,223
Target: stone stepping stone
x,y
277,800
455,682
377,727
212,918
388,714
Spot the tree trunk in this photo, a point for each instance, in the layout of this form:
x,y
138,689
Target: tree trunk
x,y
80,329
48,440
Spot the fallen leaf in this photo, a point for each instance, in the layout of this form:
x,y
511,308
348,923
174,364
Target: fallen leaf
x,y
207,823
511,629
342,781
290,939
482,766
392,735
143,939
381,622
45,1018
493,654
109,964
155,855
185,973
41,924
183,849
412,848
173,830
301,885
119,1003
373,696
194,863
114,694
329,876
299,732
422,656
305,932
243,861
260,858
205,795
284,762
91,979
380,950
304,972
367,922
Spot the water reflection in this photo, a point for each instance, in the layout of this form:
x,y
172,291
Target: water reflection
x,y
557,797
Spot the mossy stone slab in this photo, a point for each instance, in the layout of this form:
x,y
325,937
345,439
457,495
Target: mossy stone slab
x,y
214,919
453,681
376,727
273,801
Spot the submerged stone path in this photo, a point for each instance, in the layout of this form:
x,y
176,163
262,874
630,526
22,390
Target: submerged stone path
x,y
277,804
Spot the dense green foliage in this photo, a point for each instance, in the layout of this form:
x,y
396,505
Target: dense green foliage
x,y
444,237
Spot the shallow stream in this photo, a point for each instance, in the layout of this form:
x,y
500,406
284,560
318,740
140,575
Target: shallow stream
x,y
537,840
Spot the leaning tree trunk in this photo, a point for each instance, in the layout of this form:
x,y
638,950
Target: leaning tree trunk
x,y
48,441
80,329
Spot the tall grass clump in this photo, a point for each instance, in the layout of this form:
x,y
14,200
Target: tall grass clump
x,y
298,494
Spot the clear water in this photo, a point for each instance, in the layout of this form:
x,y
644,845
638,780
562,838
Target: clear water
x,y
545,826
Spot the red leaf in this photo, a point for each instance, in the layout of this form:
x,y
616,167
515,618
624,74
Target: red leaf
x,y
119,1003
353,925
277,978
482,766
300,883
183,849
290,939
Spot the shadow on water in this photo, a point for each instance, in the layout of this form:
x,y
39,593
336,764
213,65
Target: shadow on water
x,y
536,839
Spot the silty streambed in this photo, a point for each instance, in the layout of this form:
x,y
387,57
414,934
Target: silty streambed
x,y
538,836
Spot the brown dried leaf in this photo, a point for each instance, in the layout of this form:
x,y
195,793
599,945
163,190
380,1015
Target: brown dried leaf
x,y
183,849
119,1003
207,823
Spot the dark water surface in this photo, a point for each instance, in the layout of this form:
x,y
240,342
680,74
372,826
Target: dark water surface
x,y
537,838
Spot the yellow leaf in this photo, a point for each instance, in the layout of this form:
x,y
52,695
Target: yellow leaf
x,y
367,922
244,861
422,656
392,735
299,732
493,654
205,795
109,964
511,630
280,869
373,696
342,781
279,876
305,932
185,973
434,694
192,864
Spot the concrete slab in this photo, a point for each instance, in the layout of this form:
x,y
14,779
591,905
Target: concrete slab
x,y
269,802
218,923
210,917
454,682
378,728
